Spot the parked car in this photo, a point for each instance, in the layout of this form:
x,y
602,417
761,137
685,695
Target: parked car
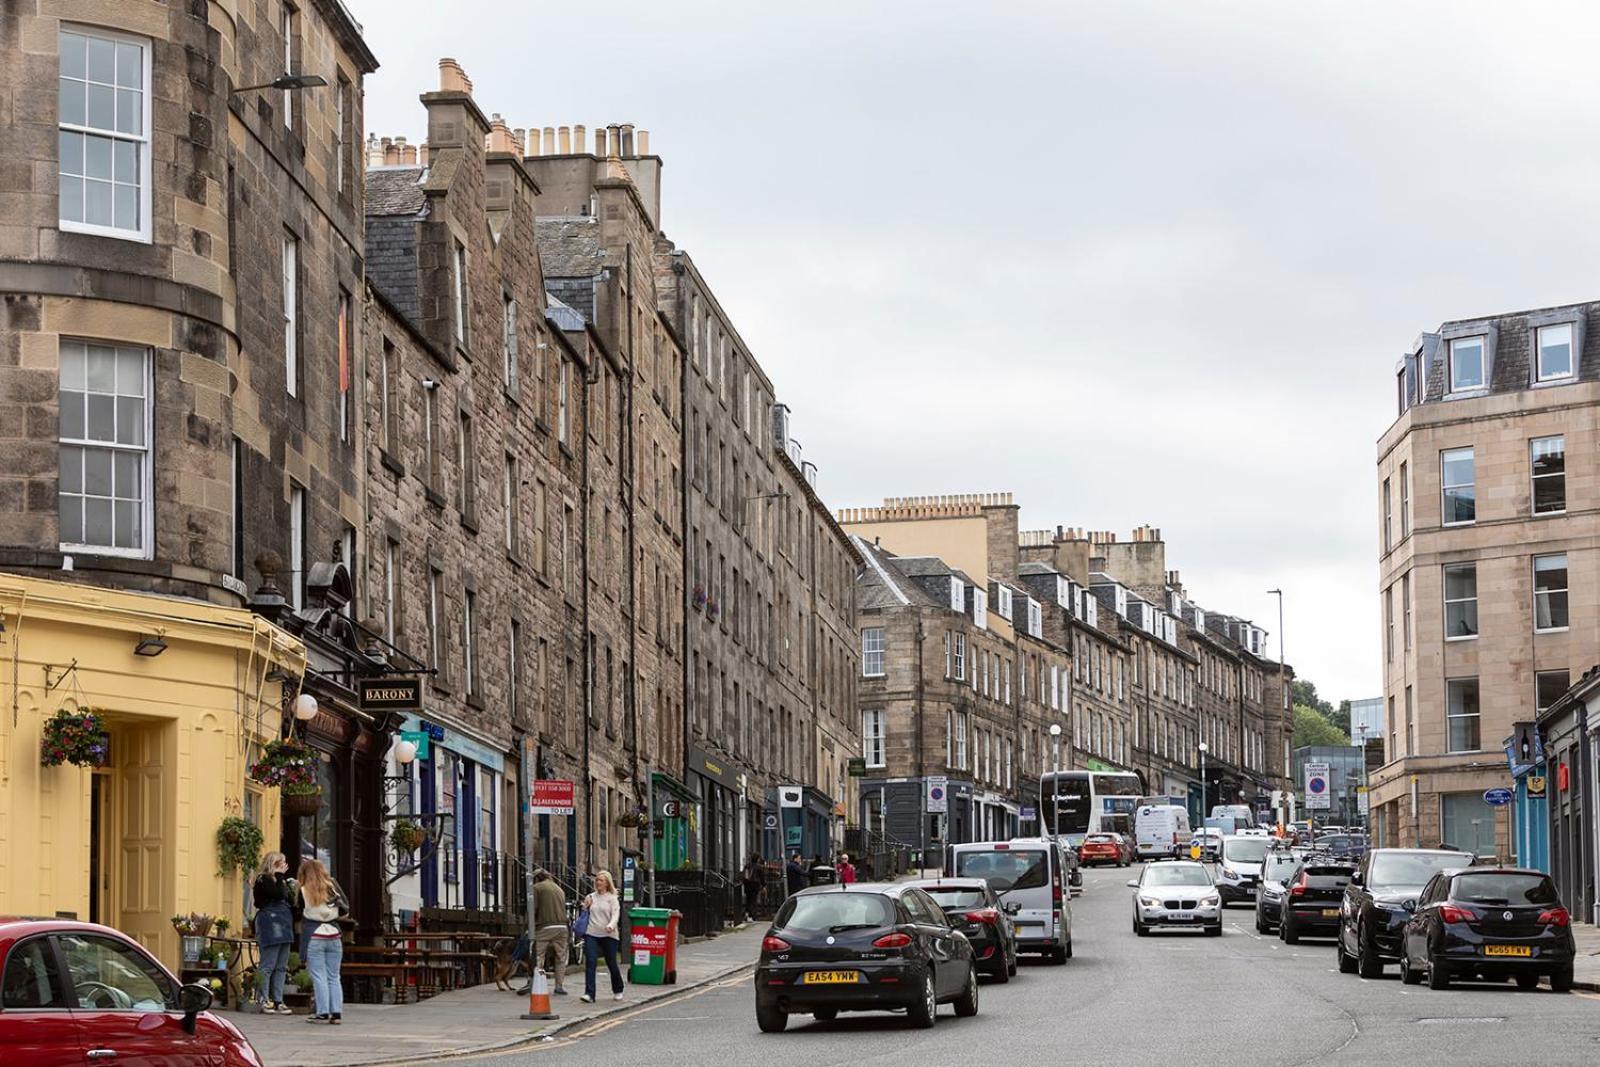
x,y
1309,905
1379,901
1239,867
1276,868
1030,873
863,947
1176,893
977,911
1343,845
74,992
1491,923
1104,848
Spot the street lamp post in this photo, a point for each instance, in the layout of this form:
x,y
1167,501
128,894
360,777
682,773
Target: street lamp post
x,y
1366,816
1203,749
1055,781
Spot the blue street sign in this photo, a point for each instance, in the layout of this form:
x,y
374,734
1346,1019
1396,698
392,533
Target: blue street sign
x,y
1497,797
1029,814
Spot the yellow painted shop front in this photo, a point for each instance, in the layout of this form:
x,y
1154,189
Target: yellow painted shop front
x,y
187,692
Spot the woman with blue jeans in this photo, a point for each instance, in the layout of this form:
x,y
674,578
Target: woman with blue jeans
x,y
600,939
324,903
274,895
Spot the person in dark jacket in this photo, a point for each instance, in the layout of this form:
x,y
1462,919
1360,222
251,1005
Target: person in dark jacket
x,y
275,897
795,874
750,879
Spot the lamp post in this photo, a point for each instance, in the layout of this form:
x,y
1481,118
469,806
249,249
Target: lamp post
x,y
1204,748
1366,816
1055,781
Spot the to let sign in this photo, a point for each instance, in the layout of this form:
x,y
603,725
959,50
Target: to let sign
x,y
551,796
389,694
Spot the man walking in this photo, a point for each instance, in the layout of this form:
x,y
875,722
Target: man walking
x,y
550,931
795,874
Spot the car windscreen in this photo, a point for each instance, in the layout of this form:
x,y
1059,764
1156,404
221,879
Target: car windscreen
x,y
1245,849
1504,889
1176,874
1004,871
1329,877
1277,866
958,898
1100,839
1411,870
830,911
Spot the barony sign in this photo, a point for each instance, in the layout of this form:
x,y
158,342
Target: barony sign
x,y
389,694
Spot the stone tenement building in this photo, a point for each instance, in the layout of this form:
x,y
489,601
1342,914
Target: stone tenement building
x,y
180,264
1135,674
1476,497
770,643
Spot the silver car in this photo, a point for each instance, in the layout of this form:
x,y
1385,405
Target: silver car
x,y
1275,869
1176,893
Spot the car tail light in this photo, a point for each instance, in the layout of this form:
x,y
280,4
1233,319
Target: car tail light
x,y
1451,914
894,940
1555,917
774,944
983,915
988,951
1299,888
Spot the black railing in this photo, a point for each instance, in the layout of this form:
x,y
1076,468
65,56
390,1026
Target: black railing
x,y
708,901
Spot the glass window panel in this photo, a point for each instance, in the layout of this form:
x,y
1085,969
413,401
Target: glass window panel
x,y
102,365
1466,363
97,471
72,415
97,157
97,203
72,520
73,60
74,106
102,55
72,365
96,521
130,65
102,107
1549,495
130,420
71,199
1555,351
130,372
71,469
1549,455
1458,467
125,207
129,112
126,474
1550,686
101,423
127,524
71,152
124,161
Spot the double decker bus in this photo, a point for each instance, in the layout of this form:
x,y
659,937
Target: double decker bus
x,y
1074,804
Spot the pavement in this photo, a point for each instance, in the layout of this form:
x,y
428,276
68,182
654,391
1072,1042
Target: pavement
x,y
479,1019
1586,968
1168,998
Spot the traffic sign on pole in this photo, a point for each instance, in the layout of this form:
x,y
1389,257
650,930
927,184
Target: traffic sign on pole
x,y
1318,795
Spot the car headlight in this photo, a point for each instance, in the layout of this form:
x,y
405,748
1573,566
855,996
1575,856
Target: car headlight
x,y
1150,902
1229,872
1210,902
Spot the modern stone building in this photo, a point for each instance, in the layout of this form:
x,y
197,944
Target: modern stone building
x,y
181,263
1487,567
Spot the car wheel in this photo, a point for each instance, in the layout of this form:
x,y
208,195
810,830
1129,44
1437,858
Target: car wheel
x,y
1527,981
1214,931
967,1002
1286,930
1139,927
1409,974
1002,973
1011,966
1347,965
1261,924
1367,963
771,1018
1066,951
921,1012
826,1015
1438,977
1561,979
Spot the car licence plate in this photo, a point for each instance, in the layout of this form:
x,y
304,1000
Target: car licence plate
x,y
1507,950
1330,913
1180,916
830,978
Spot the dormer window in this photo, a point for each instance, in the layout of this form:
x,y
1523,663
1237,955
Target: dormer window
x,y
1468,364
1063,592
1035,618
1555,352
980,608
1003,602
1121,601
958,597
1091,610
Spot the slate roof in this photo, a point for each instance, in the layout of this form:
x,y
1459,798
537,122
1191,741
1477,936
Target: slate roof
x,y
569,246
886,582
395,191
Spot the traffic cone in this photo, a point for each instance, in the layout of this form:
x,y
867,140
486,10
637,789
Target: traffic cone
x,y
539,997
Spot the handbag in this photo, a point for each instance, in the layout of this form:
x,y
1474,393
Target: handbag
x,y
580,925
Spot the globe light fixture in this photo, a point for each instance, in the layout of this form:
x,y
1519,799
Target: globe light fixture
x,y
305,707
405,752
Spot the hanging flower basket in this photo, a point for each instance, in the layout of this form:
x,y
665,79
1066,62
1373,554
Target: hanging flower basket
x,y
407,836
300,802
287,763
77,737
239,844
632,817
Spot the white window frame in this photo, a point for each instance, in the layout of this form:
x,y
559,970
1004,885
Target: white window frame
x,y
342,323
510,496
1482,341
1565,591
458,289
1003,602
961,740
960,642
469,640
1445,487
980,608
286,25
958,597
873,647
1535,479
1451,715
874,737
145,549
1035,618
563,402
143,233
391,587
509,349
1572,353
1449,602
297,545
289,262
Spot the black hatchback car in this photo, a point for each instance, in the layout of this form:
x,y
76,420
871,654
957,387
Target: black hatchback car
x,y
974,908
1491,923
1312,897
863,947
1379,901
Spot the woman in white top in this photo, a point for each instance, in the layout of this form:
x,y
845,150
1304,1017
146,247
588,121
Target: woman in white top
x,y
323,902
605,916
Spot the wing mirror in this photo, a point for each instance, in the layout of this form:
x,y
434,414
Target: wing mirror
x,y
1409,905
193,999
1133,884
1011,907
1356,879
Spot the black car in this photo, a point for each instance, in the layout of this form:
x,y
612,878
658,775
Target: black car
x,y
863,947
1379,901
1344,846
1312,898
1491,923
1276,869
973,908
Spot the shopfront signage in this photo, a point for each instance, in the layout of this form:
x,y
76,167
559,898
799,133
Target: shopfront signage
x,y
1497,797
551,796
670,809
769,821
1535,785
389,694
857,767
714,768
419,738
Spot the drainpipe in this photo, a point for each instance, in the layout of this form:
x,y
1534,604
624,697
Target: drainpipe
x,y
586,821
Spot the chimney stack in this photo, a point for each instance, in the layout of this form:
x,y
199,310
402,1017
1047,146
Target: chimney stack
x,y
535,144
452,79
644,142
407,153
374,151
499,135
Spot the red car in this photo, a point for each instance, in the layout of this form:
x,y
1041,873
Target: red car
x,y
73,993
1105,848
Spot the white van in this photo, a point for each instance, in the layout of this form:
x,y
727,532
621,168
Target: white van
x,y
1241,814
1161,830
1029,874
1239,868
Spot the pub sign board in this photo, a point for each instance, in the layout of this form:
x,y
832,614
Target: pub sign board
x,y
389,694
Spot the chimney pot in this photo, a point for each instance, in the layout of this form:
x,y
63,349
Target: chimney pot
x,y
565,135
452,79
391,152
601,144
627,140
644,142
535,142
580,139
422,153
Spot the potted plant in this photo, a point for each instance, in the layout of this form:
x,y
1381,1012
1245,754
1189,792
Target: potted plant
x,y
298,995
76,737
238,848
192,932
407,836
291,766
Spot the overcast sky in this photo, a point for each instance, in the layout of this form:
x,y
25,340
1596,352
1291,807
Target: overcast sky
x,y
1134,262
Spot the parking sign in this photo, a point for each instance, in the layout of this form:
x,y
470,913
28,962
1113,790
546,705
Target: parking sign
x,y
1317,791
